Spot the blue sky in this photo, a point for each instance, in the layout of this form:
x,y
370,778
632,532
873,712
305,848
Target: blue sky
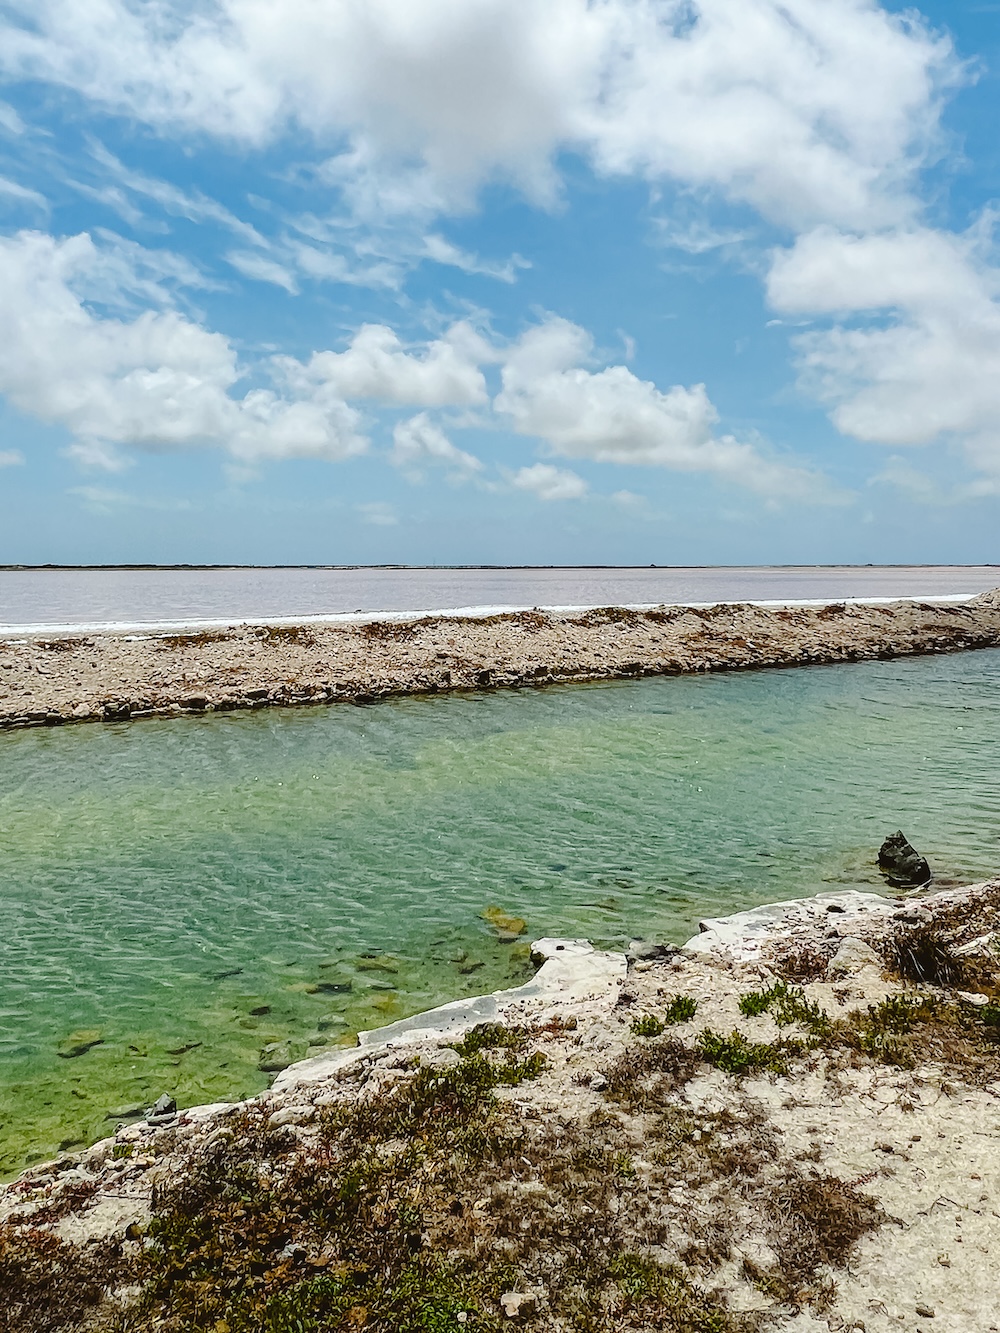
x,y
499,281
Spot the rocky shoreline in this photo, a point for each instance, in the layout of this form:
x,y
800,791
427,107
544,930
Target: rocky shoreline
x,y
115,677
792,1122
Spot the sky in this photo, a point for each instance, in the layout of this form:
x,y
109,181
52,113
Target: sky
x,y
499,281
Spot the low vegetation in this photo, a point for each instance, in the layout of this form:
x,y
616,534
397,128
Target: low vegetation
x,y
448,1190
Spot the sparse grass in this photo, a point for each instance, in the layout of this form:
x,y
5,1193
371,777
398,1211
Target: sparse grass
x,y
172,642
738,1056
644,1078
46,1284
923,955
390,631
491,1036
816,1221
788,1005
680,1009
647,1025
285,634
64,645
878,1030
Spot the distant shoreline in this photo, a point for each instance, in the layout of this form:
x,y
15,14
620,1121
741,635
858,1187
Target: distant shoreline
x,y
680,568
49,681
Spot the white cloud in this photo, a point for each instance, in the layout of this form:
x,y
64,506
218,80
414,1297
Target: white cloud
x,y
327,265
158,381
12,190
611,416
257,266
105,501
192,205
378,514
442,251
924,364
10,120
11,458
697,237
806,109
419,441
377,366
550,483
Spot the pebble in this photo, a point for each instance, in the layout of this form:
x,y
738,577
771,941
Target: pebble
x,y
516,1304
925,1311
291,1115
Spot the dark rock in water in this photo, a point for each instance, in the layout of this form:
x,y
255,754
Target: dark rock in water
x,y
901,863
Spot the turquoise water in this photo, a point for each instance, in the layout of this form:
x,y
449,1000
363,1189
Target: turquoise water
x,y
160,881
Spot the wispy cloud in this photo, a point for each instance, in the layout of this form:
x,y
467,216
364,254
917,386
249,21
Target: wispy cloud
x,y
254,265
378,513
190,204
442,251
22,193
105,501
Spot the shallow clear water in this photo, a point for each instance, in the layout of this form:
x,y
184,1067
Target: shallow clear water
x,y
160,880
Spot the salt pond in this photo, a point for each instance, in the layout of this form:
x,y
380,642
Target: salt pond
x,y
182,893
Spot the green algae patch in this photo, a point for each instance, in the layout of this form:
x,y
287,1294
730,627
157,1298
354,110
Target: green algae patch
x,y
505,924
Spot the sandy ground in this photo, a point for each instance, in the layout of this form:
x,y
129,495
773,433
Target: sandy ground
x,y
919,1143
113,677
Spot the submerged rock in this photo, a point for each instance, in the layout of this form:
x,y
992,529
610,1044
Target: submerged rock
x,y
79,1043
278,1055
901,863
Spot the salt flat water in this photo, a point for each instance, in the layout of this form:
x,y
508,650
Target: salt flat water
x,y
184,891
136,597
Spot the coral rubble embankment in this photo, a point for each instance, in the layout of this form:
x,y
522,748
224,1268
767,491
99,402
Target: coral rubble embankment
x,y
112,677
793,1123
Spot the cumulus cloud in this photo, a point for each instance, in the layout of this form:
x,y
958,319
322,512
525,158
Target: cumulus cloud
x,y
419,441
807,109
923,364
11,458
550,483
611,416
158,381
378,367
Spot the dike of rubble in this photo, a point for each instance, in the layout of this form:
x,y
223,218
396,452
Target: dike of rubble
x,y
791,1123
112,677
